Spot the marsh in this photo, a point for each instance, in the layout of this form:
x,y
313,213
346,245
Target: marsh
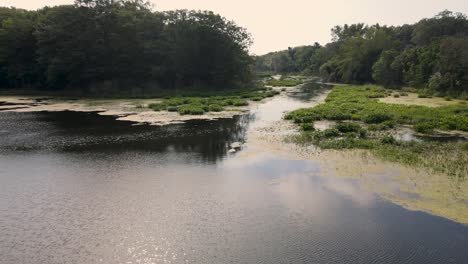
x,y
78,187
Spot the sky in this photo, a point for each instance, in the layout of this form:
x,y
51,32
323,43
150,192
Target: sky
x,y
276,25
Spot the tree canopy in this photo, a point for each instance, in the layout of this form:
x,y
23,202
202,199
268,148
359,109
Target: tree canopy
x,y
117,44
431,54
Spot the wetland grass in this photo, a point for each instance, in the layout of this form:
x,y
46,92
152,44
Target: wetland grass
x,y
284,82
361,120
202,105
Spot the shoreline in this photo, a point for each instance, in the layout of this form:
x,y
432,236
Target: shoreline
x,y
129,110
413,188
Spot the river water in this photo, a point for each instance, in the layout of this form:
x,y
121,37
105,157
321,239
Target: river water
x,y
84,188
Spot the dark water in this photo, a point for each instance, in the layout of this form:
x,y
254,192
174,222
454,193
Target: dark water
x,y
82,188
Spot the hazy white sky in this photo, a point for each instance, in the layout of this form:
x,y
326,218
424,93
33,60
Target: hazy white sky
x,y
278,24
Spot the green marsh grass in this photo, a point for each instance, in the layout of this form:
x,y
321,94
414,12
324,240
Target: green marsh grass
x,y
285,82
214,103
359,103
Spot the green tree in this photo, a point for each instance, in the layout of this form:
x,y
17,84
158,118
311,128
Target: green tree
x,y
383,72
17,48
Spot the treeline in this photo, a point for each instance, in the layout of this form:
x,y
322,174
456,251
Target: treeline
x,y
431,55
111,44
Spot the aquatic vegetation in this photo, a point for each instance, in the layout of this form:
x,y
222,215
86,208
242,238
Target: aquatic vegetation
x,y
359,103
348,127
193,109
259,94
285,82
215,108
307,127
215,103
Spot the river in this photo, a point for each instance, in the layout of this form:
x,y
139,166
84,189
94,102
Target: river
x,y
77,187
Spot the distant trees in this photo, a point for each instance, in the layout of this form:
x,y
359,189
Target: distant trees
x,y
429,55
291,60
120,44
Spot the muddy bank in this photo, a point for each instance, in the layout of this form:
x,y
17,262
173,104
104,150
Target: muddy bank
x,y
131,110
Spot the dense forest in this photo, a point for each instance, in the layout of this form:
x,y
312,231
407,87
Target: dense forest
x,y
107,45
431,55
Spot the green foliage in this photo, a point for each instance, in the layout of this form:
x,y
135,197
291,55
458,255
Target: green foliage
x,y
376,117
212,103
291,60
383,72
348,127
330,132
388,140
285,82
107,47
430,55
382,126
449,158
192,109
358,103
425,127
307,127
215,108
239,102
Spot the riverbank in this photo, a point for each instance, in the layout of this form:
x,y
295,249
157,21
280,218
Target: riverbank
x,y
159,111
268,134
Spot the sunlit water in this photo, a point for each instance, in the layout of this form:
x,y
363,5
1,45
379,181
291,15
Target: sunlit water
x,y
82,188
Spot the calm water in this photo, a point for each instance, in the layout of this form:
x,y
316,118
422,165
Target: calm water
x,y
82,188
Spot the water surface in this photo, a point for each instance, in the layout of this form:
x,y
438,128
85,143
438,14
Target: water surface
x,y
84,188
